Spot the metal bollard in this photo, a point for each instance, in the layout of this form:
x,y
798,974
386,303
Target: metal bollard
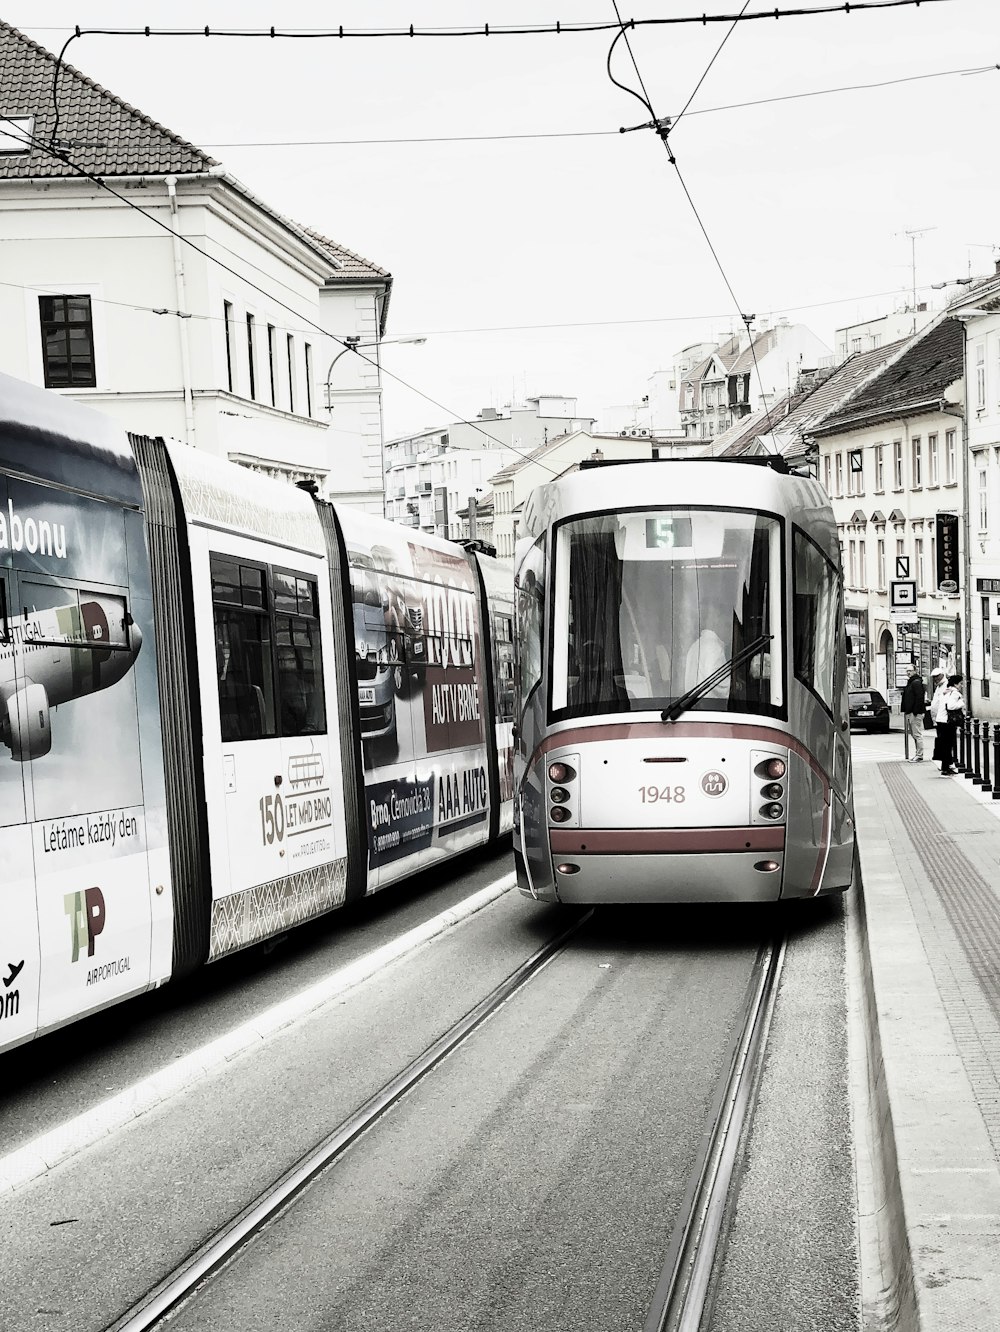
x,y
968,774
960,748
987,784
977,776
996,761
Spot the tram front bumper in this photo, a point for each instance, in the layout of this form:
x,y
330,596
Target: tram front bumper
x,y
668,865
737,877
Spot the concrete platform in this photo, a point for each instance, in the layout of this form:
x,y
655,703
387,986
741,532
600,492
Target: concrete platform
x,y
927,924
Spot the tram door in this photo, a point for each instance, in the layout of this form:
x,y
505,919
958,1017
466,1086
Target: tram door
x,y
19,961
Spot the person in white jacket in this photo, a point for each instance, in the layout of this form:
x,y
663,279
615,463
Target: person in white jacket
x,y
947,706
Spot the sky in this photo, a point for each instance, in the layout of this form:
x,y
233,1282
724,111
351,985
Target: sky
x,y
576,260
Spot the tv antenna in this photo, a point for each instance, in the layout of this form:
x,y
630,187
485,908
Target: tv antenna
x,y
913,233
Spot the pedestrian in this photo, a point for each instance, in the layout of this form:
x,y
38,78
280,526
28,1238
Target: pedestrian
x,y
913,705
948,711
939,687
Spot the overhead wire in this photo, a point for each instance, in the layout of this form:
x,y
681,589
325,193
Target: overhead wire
x,y
663,127
600,134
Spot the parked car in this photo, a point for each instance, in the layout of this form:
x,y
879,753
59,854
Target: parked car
x,y
869,710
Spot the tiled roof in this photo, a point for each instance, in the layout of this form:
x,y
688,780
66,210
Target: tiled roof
x,y
97,130
99,133
917,379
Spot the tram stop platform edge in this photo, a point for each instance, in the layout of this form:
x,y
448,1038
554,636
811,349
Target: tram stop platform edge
x,y
926,928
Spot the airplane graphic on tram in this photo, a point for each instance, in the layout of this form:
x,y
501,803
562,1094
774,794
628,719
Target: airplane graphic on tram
x,y
55,654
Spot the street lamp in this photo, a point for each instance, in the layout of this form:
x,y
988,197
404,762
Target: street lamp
x,y
352,342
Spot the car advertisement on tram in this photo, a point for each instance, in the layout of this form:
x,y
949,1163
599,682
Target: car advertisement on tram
x,y
82,811
421,695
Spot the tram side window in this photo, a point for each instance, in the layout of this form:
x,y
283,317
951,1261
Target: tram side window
x,y
243,650
530,612
56,614
300,664
815,634
503,667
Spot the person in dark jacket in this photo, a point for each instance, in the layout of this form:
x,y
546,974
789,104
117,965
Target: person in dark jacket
x,y
912,705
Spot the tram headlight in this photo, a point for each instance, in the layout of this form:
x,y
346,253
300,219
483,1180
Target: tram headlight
x,y
561,772
773,791
772,811
559,795
774,768
559,814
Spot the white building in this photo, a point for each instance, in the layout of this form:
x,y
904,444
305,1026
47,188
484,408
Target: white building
x,y
870,334
979,313
172,298
430,476
892,460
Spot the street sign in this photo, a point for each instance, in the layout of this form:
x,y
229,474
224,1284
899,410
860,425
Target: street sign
x,y
903,593
902,566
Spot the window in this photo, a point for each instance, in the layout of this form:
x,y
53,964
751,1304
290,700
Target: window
x,y
290,352
840,474
272,373
309,376
880,555
243,650
918,551
267,650
855,471
982,477
82,618
862,566
67,342
227,317
980,376
933,462
897,464
880,468
916,457
826,474
529,592
503,666
650,605
852,568
855,344
816,634
301,707
250,356
949,457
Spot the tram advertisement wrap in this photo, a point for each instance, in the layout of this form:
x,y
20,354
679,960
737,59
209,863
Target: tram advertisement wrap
x,y
418,652
401,818
82,800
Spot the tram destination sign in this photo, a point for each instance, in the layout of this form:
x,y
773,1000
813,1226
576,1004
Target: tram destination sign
x,y
946,532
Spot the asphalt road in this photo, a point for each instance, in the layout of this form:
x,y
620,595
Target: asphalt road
x,y
532,1182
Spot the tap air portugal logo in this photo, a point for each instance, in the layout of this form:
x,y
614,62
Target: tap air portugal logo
x,y
55,655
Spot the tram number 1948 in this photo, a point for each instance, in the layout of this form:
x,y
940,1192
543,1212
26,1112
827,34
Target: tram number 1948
x,y
652,795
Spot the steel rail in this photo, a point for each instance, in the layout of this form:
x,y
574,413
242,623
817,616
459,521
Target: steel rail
x,y
681,1294
222,1246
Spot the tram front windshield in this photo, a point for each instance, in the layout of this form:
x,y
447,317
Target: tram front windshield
x,y
649,604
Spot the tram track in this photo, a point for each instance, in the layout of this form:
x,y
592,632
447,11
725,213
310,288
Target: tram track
x,y
179,1286
684,1288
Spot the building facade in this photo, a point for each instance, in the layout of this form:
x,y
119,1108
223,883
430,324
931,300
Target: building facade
x,y
157,288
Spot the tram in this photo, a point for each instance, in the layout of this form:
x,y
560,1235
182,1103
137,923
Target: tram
x,y
226,707
681,710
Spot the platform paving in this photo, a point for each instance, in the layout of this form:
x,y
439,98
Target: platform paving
x,y
930,862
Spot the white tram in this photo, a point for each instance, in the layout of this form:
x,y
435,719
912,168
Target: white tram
x,y
226,707
682,728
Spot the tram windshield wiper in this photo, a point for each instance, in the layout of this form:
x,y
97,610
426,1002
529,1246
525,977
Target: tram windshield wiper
x,y
710,681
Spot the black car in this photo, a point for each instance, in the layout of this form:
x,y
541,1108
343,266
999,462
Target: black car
x,y
869,710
